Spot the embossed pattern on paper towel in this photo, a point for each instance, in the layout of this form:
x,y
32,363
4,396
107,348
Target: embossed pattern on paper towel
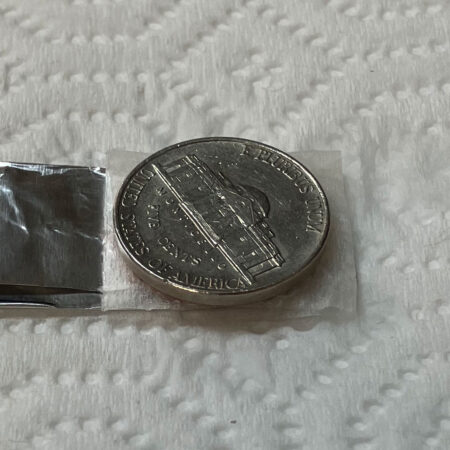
x,y
369,78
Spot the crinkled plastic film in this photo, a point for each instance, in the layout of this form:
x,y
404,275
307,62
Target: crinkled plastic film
x,y
60,263
328,290
51,233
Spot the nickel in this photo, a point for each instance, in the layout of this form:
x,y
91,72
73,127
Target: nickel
x,y
221,221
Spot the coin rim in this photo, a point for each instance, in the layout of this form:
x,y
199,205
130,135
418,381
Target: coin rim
x,y
203,296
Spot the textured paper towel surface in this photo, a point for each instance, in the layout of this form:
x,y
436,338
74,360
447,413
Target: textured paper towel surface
x,y
368,78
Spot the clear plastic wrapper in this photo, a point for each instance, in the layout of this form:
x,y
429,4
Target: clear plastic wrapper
x,y
51,234
60,248
328,290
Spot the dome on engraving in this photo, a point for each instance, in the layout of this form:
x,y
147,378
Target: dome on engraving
x,y
258,198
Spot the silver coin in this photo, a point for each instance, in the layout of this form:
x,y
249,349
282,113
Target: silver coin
x,y
221,221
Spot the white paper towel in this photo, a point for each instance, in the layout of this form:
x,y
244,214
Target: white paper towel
x,y
368,78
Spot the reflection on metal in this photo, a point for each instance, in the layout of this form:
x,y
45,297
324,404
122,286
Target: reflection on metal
x,y
230,217
6,304
51,235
